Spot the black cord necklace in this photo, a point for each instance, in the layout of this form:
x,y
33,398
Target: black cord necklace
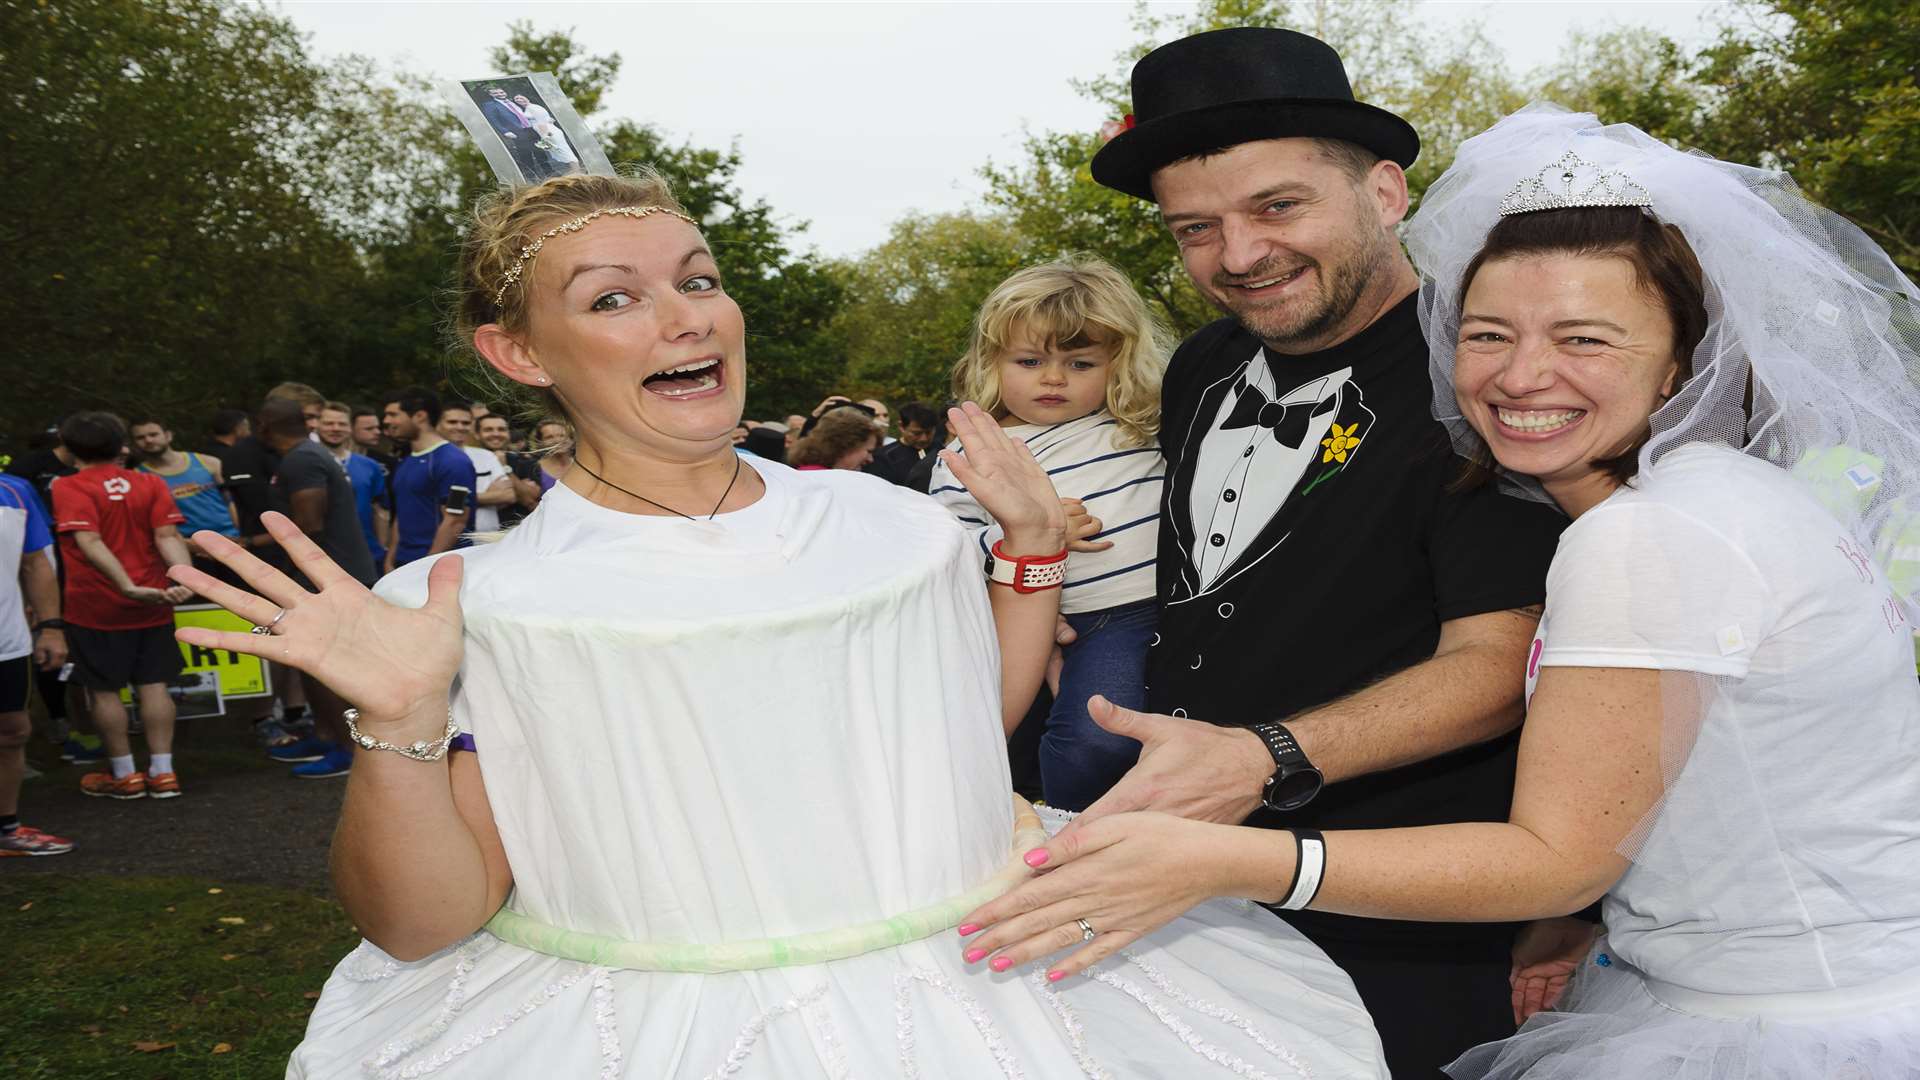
x,y
663,506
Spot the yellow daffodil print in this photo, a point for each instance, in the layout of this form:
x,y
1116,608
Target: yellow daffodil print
x,y
1340,443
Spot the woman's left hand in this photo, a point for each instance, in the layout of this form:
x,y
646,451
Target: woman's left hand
x,y
1126,875
1001,474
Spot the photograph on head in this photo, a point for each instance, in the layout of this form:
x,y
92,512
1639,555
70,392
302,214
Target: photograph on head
x,y
525,127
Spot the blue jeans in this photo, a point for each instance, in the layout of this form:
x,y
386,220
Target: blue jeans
x,y
1079,759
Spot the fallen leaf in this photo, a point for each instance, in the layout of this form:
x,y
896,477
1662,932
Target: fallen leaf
x,y
230,956
311,995
146,1047
216,892
233,920
122,1008
91,1029
266,928
26,905
222,1048
169,909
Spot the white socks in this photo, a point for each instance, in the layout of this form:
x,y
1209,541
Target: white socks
x,y
159,763
122,766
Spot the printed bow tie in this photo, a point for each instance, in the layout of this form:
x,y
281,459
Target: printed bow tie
x,y
1287,422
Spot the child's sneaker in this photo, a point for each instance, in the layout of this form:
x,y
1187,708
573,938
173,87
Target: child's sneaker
x,y
27,840
130,786
163,785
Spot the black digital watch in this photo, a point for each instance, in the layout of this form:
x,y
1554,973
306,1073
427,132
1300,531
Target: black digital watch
x,y
1295,781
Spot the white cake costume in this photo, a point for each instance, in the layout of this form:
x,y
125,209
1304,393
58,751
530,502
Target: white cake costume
x,y
713,740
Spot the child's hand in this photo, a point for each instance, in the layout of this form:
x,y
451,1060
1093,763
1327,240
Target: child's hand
x,y
1080,525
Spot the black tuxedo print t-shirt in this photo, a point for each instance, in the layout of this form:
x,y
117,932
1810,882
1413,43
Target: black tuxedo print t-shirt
x,y
1309,547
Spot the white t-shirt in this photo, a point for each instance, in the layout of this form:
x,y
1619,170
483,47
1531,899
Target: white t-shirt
x,y
1786,855
486,469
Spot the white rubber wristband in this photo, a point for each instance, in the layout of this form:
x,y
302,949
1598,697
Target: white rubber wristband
x,y
1313,865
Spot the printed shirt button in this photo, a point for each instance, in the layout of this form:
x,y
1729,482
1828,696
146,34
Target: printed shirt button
x,y
1228,495
1248,452
1217,540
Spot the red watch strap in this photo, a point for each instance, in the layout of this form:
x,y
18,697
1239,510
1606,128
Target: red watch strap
x,y
1034,573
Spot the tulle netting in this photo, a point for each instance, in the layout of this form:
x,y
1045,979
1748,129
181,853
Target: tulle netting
x,y
1814,334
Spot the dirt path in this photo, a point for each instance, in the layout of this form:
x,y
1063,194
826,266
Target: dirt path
x,y
241,818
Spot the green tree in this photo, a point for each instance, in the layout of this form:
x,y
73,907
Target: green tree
x,y
910,302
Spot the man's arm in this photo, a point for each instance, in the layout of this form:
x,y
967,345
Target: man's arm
x,y
498,493
217,468
309,509
448,532
41,586
102,558
1468,692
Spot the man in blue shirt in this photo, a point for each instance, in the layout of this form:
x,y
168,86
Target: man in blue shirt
x,y
432,485
26,567
368,477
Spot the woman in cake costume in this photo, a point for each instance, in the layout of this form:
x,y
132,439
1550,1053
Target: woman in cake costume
x,y
736,759
1715,380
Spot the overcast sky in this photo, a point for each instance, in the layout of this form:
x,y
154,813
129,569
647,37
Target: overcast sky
x,y
850,115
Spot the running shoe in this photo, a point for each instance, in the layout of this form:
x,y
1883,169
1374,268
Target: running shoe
x,y
27,840
302,750
163,785
80,753
336,763
130,786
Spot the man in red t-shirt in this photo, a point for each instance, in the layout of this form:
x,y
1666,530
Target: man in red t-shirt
x,y
118,535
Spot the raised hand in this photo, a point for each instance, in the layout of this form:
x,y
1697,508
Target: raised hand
x,y
1001,474
391,662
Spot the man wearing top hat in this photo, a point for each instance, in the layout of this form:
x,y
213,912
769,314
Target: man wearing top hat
x,y
1332,613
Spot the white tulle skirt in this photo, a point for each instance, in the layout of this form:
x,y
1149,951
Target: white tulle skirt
x,y
1614,1023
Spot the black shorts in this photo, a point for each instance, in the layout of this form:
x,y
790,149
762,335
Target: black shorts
x,y
111,659
16,677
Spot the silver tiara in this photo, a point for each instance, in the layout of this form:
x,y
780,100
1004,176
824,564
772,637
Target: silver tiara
x,y
1573,181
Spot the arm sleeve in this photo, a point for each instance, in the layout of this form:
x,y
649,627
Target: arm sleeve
x,y
298,472
455,470
947,490
1648,586
1489,551
163,511
39,531
72,510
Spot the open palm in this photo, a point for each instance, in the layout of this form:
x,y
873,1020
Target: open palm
x,y
1001,474
387,660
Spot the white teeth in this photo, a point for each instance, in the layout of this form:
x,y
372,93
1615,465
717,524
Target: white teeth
x,y
1539,420
698,365
707,382
1289,276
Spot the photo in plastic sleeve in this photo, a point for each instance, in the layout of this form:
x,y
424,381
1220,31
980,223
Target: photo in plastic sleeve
x,y
526,127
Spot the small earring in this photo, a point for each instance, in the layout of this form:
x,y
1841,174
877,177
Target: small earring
x,y
544,380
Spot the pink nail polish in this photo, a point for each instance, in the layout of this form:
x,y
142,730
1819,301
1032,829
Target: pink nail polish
x,y
1056,976
1037,857
1001,963
973,956
968,929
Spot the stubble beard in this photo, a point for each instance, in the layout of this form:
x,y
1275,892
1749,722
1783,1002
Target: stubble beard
x,y
1304,327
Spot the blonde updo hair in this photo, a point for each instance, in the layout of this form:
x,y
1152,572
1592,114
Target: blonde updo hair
x,y
1072,302
838,431
503,223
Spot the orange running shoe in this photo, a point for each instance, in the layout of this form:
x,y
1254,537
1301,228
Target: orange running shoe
x,y
163,785
27,840
130,786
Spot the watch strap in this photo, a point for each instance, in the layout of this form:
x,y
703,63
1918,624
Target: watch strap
x,y
1026,573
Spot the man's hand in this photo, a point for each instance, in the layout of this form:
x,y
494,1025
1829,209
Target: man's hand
x,y
1188,768
50,649
142,594
179,594
1080,525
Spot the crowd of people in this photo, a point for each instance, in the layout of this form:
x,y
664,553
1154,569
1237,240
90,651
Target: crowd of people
x,y
375,489
1487,653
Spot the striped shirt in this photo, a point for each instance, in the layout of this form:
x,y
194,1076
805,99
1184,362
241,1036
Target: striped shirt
x,y
1119,485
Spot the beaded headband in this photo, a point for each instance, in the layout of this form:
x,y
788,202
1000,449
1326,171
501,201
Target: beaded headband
x,y
527,253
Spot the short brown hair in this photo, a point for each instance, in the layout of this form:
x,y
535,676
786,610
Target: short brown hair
x,y
300,392
1664,267
838,431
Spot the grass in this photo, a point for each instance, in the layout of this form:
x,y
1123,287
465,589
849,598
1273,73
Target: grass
x,y
159,978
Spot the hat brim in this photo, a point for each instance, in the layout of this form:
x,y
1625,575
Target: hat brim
x,y
1128,161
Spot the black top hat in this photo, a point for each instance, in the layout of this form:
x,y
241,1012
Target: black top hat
x,y
1226,87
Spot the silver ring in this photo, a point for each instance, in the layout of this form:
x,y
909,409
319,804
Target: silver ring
x,y
268,628
1086,930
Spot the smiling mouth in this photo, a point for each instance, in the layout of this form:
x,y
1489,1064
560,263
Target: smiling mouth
x,y
1287,278
686,380
1537,421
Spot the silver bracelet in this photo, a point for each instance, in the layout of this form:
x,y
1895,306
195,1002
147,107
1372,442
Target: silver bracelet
x,y
418,751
